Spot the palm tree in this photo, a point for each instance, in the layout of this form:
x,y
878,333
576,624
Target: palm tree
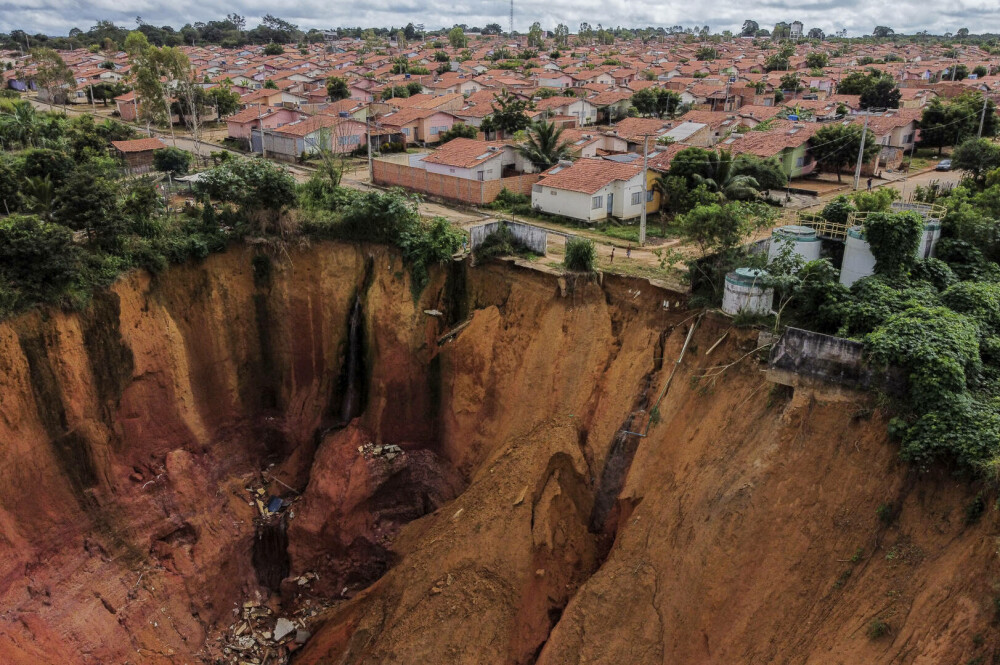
x,y
38,196
723,180
19,124
543,148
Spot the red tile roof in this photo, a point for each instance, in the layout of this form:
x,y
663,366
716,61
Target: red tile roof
x,y
588,175
464,153
139,145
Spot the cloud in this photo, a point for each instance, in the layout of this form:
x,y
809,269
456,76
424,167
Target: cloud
x,y
58,16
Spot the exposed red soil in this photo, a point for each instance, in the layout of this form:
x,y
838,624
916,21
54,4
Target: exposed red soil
x,y
743,530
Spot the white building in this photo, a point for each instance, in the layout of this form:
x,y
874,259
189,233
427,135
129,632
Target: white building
x,y
590,190
474,160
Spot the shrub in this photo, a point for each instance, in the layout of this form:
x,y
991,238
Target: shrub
x,y
877,629
38,261
837,210
937,347
507,200
172,160
499,243
975,509
581,255
894,239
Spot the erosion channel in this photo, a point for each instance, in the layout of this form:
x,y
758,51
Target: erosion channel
x,y
310,465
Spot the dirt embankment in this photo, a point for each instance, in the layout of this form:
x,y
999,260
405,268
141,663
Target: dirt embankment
x,y
482,503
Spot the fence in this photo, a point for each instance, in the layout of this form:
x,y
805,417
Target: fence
x,y
534,238
475,192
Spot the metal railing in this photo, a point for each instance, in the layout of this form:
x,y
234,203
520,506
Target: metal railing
x,y
823,228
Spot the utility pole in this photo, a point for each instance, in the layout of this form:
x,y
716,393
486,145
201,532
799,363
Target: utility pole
x,y
861,153
982,116
368,134
645,166
260,126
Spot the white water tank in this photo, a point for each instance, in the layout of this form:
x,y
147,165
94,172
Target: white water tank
x,y
858,258
860,262
932,233
744,293
803,239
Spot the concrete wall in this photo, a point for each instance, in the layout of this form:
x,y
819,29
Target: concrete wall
x,y
475,192
534,238
800,357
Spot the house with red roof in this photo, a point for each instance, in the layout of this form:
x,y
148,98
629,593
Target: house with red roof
x,y
137,153
305,137
590,190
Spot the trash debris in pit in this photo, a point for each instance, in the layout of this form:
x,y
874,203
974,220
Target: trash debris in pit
x,y
389,451
270,505
262,635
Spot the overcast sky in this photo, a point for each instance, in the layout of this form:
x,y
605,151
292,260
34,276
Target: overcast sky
x,y
857,16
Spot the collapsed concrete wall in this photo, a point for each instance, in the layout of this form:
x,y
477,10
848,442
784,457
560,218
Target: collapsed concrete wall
x,y
804,356
534,238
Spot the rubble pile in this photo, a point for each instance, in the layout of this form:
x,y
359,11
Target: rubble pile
x,y
259,637
389,451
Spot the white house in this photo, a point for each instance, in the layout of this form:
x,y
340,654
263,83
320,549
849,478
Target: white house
x,y
590,190
476,160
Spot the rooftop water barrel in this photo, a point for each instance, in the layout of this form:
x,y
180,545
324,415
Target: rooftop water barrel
x,y
858,258
744,293
803,239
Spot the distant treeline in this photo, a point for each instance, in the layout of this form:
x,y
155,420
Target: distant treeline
x,y
232,31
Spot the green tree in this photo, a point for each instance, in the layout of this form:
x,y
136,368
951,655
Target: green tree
x,y
977,157
894,239
225,101
336,89
89,202
37,195
544,146
55,165
768,173
19,125
790,82
509,114
172,160
458,130
856,83
51,72
881,94
457,38
719,230
881,32
817,60
273,49
38,259
536,36
750,28
775,62
835,146
561,35
706,53
262,191
658,102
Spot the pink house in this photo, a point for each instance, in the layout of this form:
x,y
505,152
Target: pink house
x,y
240,124
420,125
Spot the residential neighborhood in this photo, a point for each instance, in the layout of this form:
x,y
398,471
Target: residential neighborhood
x,y
620,109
